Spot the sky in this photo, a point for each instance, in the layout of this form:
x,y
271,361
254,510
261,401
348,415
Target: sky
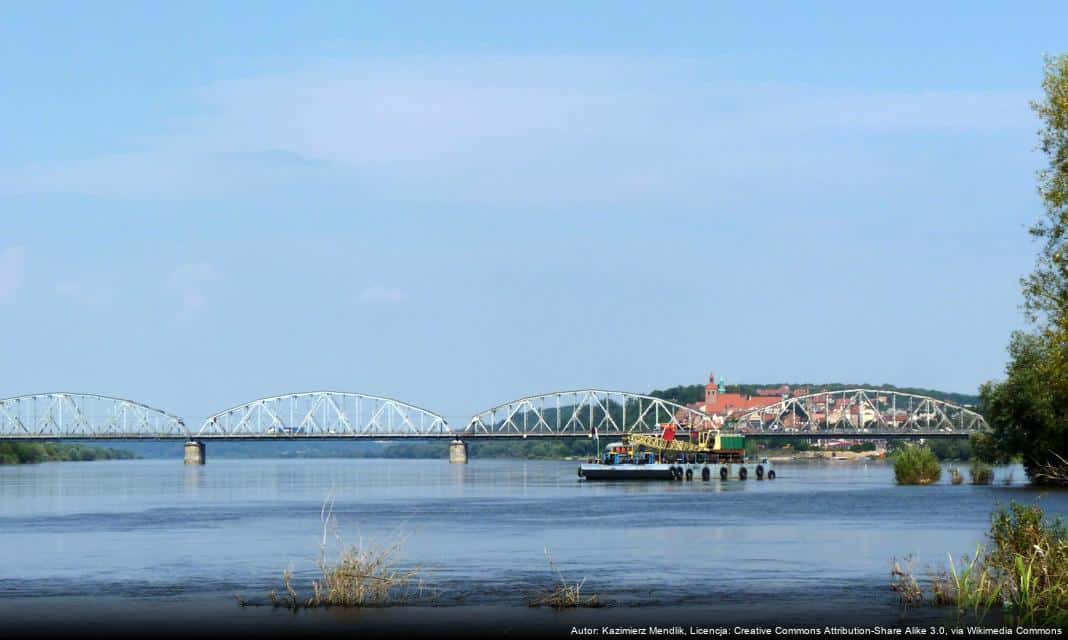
x,y
458,204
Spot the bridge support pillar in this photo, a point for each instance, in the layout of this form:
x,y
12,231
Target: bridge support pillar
x,y
458,452
194,452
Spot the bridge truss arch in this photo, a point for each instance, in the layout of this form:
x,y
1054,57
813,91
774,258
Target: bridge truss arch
x,y
578,413
84,416
322,415
861,412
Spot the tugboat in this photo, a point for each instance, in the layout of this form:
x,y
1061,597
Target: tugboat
x,y
708,454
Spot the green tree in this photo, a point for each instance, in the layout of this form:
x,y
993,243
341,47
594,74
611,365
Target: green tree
x,y
916,465
1029,409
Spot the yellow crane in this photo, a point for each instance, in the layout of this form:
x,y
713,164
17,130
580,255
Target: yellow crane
x,y
708,441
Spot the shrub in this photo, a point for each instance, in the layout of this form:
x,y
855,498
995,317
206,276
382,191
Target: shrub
x,y
917,465
981,472
1026,568
1031,556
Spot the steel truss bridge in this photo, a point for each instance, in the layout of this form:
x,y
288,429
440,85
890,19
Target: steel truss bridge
x,y
860,413
336,415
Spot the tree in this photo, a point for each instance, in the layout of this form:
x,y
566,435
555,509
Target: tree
x,y
1046,289
1029,409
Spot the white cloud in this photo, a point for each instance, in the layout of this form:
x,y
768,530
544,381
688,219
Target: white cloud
x,y
551,129
379,294
12,272
188,282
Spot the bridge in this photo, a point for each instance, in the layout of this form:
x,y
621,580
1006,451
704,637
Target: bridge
x,y
874,414
585,413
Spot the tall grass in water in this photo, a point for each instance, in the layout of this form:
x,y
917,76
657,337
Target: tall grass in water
x,y
903,581
1032,554
917,465
1025,568
564,594
359,576
967,585
955,476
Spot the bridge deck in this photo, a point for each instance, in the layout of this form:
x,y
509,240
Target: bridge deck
x,y
824,435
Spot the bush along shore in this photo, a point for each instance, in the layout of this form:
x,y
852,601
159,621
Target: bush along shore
x,y
1023,572
34,452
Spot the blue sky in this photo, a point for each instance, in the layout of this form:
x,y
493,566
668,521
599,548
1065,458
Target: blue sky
x,y
456,204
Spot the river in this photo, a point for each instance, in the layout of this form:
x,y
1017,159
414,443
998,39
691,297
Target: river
x,y
125,543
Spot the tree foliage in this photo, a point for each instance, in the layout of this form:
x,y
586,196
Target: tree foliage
x,y
34,452
916,465
1029,409
1046,288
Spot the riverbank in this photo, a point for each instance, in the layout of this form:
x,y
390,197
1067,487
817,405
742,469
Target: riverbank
x,y
828,456
36,452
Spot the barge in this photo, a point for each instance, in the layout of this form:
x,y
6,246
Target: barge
x,y
708,455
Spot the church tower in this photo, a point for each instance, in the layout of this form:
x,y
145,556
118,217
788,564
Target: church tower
x,y
711,390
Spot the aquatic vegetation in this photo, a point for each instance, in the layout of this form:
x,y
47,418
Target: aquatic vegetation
x,y
955,476
917,465
564,594
971,587
1030,554
1025,570
361,575
290,599
903,581
981,472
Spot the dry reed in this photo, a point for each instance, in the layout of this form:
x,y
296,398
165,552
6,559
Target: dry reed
x,y
361,575
564,594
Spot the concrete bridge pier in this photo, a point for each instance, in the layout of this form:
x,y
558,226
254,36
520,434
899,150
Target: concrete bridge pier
x,y
194,452
458,452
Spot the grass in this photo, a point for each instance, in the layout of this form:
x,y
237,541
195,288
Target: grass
x,y
359,575
968,586
564,594
917,465
1025,569
903,581
362,577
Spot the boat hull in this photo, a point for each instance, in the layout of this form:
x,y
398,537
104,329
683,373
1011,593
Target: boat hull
x,y
626,472
678,471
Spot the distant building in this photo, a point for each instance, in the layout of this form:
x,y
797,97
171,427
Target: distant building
x,y
720,405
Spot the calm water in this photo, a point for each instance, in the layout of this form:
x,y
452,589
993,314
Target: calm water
x,y
155,538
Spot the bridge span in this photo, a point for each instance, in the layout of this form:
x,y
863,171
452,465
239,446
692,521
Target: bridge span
x,y
585,413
